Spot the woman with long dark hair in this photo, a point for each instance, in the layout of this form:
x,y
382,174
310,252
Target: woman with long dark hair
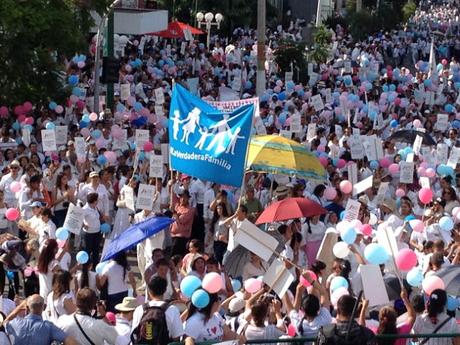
x,y
117,276
220,231
85,277
62,195
47,265
60,300
206,323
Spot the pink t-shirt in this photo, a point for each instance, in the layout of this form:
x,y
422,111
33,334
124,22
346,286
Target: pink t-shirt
x,y
403,329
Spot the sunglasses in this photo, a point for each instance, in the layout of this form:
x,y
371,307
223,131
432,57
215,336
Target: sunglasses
x,y
14,168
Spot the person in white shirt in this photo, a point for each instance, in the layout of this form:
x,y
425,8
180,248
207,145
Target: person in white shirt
x,y
124,320
82,326
5,182
30,195
91,228
156,289
95,187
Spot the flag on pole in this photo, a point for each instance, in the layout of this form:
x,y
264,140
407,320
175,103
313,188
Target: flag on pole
x,y
205,142
433,72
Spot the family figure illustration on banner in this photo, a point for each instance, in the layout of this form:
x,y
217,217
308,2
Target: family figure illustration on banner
x,y
223,139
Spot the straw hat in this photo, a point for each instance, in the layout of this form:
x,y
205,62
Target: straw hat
x,y
128,304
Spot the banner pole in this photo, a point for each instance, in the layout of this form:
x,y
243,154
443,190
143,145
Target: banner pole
x,y
246,170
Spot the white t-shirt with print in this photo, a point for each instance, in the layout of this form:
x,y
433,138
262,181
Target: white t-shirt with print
x,y
199,330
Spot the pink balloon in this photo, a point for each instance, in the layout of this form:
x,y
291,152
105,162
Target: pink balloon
x,y
252,285
425,195
432,283
29,120
384,162
400,192
111,156
59,109
305,282
455,211
61,243
424,165
292,330
421,171
212,282
430,172
417,225
12,214
417,123
393,168
21,118
27,106
366,229
3,111
148,146
321,148
346,187
15,187
341,163
330,193
93,117
406,259
18,110
80,104
100,143
81,64
324,161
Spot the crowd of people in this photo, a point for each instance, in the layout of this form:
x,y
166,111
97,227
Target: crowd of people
x,y
54,287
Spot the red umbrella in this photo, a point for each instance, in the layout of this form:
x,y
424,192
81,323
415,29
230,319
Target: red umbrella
x,y
176,30
290,209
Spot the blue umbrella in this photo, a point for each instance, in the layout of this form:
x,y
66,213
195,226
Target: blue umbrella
x,y
136,234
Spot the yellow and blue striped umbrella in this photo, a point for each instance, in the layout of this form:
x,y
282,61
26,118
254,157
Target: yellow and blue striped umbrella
x,y
278,155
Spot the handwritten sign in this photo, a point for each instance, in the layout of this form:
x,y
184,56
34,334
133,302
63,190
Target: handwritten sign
x,y
356,147
80,147
156,166
352,170
454,157
49,140
142,136
406,170
278,277
352,210
165,153
74,219
145,196
381,192
61,134
125,91
417,144
295,126
311,131
159,96
442,122
317,102
128,195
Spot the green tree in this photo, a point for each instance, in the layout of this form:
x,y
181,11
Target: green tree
x,y
409,9
321,38
35,37
290,52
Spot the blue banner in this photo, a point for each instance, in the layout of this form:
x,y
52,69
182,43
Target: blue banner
x,y
206,143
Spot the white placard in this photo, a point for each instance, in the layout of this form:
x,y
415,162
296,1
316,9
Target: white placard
x,y
183,46
362,185
125,91
74,219
278,277
288,76
80,147
325,253
417,144
369,146
310,68
145,196
424,182
406,172
48,140
352,210
159,96
317,102
295,126
338,130
128,196
156,166
121,142
442,151
458,99
159,110
356,147
165,153
328,95
311,131
429,97
410,157
61,135
373,285
188,35
352,172
382,191
142,136
454,157
257,241
442,122
26,137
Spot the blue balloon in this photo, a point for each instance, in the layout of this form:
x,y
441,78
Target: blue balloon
x,y
73,80
444,170
376,254
282,96
189,284
83,124
342,215
76,91
52,105
120,107
82,257
200,298
449,108
141,155
236,285
394,123
452,303
392,87
338,282
409,218
100,267
348,236
446,223
86,118
16,126
415,277
248,85
10,275
62,234
282,118
374,165
105,228
138,106
427,82
50,125
96,134
101,160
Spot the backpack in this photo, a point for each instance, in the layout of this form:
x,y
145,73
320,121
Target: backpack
x,y
358,335
152,329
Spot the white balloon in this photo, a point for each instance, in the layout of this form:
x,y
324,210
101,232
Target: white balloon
x,y
343,225
341,250
372,219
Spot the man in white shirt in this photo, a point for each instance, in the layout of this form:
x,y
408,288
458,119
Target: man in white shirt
x,y
85,329
156,289
96,187
124,320
5,182
91,227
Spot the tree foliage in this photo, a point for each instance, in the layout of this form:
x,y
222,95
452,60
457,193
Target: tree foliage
x,y
35,37
322,39
291,52
409,9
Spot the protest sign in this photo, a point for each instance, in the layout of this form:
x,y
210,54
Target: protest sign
x,y
48,140
125,91
356,147
442,122
317,102
454,157
80,147
156,166
74,219
311,131
278,277
142,136
406,172
128,195
380,197
352,171
165,153
363,185
256,240
417,144
352,210
373,285
61,135
159,96
145,197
